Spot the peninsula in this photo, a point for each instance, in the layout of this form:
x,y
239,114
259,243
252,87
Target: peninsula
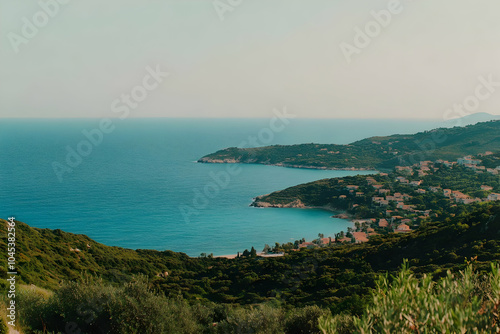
x,y
374,153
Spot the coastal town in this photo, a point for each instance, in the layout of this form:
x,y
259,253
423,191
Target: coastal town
x,y
400,201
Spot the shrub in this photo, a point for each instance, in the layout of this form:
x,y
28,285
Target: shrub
x,y
304,320
262,319
95,308
3,326
461,303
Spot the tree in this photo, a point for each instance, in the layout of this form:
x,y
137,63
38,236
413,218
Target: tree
x,y
253,252
246,253
266,249
321,235
364,227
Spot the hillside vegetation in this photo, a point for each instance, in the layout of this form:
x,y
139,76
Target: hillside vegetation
x,y
282,295
372,153
337,277
467,301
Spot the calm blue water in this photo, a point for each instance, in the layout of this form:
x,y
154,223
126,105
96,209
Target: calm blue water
x,y
131,189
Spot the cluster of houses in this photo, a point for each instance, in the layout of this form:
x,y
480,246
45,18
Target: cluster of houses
x,y
426,167
393,221
473,163
460,197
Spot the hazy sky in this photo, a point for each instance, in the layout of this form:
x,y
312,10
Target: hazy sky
x,y
264,54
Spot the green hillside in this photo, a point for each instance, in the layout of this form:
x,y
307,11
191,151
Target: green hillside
x,y
295,293
372,153
46,257
335,194
336,276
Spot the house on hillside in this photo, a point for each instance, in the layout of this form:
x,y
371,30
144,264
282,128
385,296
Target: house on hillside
x,y
492,171
344,240
307,245
383,223
360,237
326,241
468,160
485,153
402,228
494,197
401,179
395,218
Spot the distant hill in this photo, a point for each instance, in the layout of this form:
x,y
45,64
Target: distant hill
x,y
372,153
471,119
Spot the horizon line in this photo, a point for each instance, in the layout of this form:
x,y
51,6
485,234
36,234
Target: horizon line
x,y
242,118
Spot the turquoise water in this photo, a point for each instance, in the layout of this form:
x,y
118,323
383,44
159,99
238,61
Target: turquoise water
x,y
140,187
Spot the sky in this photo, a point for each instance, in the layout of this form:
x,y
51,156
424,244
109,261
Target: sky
x,y
244,58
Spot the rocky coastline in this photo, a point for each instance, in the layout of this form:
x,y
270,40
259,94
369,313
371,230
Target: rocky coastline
x,y
300,205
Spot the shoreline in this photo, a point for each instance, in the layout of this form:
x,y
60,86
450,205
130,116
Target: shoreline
x,y
339,214
233,161
296,204
260,254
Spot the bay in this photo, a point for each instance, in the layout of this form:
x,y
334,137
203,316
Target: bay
x,y
140,187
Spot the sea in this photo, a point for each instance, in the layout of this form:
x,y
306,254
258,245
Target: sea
x,y
135,183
